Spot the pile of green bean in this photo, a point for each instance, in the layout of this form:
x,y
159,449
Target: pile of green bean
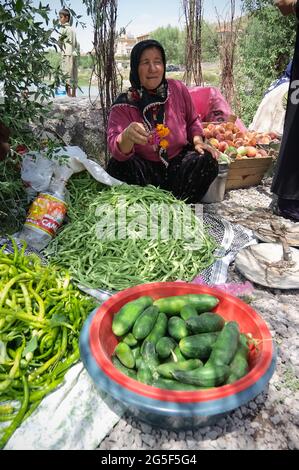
x,y
130,259
41,314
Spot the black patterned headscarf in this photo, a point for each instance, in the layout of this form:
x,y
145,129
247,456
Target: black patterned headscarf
x,y
136,53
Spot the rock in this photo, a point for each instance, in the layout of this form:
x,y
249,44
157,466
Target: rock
x,y
148,439
146,428
78,122
212,435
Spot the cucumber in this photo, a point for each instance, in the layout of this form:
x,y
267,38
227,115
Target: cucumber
x,y
198,346
124,354
128,314
129,372
177,328
188,312
226,345
138,361
207,376
130,339
166,369
173,385
164,347
173,305
144,373
239,365
145,322
150,357
158,330
207,322
136,352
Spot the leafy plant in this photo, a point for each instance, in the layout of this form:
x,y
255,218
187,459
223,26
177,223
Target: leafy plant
x,y
265,48
24,67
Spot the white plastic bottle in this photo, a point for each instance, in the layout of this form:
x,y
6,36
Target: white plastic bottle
x,y
45,215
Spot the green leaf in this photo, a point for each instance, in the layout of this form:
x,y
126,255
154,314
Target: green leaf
x,y
19,6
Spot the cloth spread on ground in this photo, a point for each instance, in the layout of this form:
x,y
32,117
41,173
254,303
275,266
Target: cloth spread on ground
x,y
77,415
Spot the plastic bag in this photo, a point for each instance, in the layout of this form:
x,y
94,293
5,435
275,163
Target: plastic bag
x,y
76,160
37,170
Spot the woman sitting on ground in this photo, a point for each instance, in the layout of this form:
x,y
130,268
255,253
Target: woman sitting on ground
x,y
154,132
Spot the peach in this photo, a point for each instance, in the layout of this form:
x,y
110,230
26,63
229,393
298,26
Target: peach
x,y
214,142
251,151
208,134
219,136
220,129
228,135
211,127
240,135
230,143
252,142
242,150
265,140
222,146
238,142
229,126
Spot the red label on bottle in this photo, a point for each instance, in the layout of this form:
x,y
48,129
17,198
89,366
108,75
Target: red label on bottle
x,y
46,213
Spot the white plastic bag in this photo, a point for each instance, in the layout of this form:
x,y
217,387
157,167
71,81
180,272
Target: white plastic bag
x,y
37,170
77,161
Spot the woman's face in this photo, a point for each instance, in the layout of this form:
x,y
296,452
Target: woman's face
x,y
151,68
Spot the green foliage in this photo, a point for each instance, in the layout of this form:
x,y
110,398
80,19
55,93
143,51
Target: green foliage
x,y
24,66
54,58
173,41
265,47
85,61
210,42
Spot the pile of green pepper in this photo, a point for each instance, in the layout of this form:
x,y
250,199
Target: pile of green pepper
x,y
41,315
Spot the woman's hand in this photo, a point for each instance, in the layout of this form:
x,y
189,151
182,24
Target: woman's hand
x,y
136,133
200,146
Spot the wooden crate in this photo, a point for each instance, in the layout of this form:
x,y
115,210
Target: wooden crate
x,y
247,172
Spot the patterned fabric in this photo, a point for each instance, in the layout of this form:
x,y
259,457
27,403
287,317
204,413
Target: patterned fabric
x,y
188,175
231,238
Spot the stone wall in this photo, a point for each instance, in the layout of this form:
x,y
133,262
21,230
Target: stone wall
x,y
78,121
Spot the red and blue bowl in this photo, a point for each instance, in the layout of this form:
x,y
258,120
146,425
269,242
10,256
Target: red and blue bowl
x,y
167,408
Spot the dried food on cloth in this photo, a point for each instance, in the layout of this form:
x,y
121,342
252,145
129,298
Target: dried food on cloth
x,y
276,231
270,264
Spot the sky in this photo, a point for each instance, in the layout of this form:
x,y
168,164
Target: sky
x,y
141,16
